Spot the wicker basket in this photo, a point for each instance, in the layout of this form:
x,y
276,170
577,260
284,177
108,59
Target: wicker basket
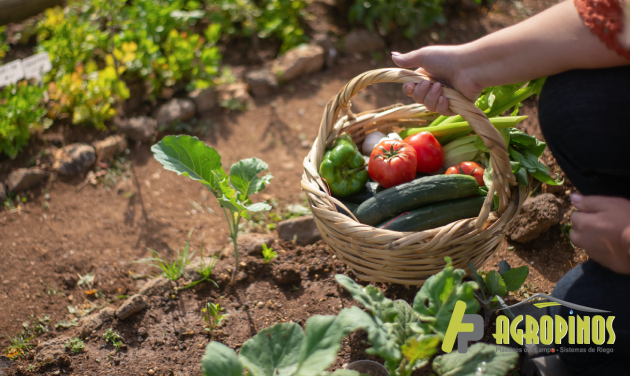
x,y
380,255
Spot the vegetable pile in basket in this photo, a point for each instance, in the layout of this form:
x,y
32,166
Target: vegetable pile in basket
x,y
423,178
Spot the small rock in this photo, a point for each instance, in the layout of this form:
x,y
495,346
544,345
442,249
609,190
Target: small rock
x,y
141,128
74,159
142,331
3,192
303,228
252,243
298,61
287,273
132,305
327,42
70,280
107,148
358,41
175,110
52,349
205,99
25,178
151,372
156,286
107,313
261,82
237,91
89,323
537,216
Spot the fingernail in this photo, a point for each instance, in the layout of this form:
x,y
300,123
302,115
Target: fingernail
x,y
575,198
425,85
436,87
394,53
408,89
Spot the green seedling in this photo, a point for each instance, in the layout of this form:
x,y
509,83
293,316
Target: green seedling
x,y
114,338
268,253
172,270
566,231
494,286
19,346
191,157
205,268
67,324
212,316
86,280
76,345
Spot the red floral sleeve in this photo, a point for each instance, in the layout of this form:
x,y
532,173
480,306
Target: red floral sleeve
x,y
605,19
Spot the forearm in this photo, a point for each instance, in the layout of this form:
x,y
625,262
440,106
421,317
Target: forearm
x,y
551,42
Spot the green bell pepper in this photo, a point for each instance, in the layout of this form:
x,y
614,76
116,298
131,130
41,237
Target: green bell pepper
x,y
343,168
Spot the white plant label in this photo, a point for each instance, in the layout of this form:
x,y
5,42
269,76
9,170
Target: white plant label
x,y
11,73
35,66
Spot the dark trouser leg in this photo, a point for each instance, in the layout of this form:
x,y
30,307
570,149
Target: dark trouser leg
x,y
585,118
594,286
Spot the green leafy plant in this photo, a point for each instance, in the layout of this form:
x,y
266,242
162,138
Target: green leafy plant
x,y
19,346
268,253
172,270
212,316
191,157
22,114
76,345
494,286
67,324
407,337
205,268
284,349
409,15
114,338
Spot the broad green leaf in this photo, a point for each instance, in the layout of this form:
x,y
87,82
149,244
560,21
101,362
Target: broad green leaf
x,y
323,340
244,177
495,284
436,299
400,329
371,298
481,359
504,266
190,157
259,206
520,138
420,349
514,278
478,278
521,177
346,372
380,325
220,360
274,351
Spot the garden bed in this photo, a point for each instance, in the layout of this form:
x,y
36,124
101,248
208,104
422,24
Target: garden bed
x,y
56,233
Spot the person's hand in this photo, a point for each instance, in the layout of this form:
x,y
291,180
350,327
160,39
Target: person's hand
x,y
601,227
441,63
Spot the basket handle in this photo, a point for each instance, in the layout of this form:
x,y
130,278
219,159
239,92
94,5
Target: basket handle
x,y
502,176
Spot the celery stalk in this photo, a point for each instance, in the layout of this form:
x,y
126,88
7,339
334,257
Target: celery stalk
x,y
462,126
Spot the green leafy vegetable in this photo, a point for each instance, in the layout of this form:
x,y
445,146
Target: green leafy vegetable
x,y
436,299
191,157
495,284
284,349
480,359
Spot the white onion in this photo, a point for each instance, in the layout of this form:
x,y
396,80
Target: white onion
x,y
370,141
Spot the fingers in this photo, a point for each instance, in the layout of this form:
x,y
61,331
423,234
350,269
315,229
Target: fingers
x,y
593,204
412,59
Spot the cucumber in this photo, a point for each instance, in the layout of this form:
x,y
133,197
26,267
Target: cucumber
x,y
352,206
371,188
412,195
436,215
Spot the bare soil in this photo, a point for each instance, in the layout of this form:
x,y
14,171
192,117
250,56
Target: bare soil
x,y
65,230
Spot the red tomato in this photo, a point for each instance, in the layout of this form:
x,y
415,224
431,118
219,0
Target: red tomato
x,y
468,168
428,150
392,162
